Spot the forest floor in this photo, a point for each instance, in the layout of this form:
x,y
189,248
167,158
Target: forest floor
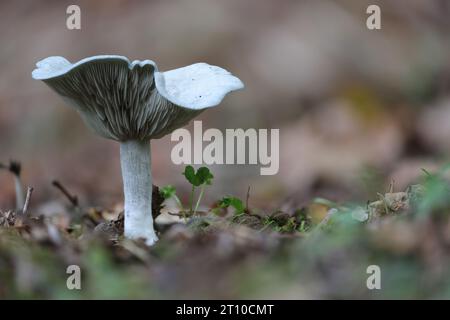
x,y
397,246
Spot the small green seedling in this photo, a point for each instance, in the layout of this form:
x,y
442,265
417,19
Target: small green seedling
x,y
233,202
168,192
202,177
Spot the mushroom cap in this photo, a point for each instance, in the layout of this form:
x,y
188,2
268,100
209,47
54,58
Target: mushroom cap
x,y
123,100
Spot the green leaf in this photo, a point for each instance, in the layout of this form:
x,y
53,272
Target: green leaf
x,y
189,173
204,175
167,191
233,202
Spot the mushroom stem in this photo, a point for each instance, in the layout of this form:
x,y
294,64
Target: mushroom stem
x,y
135,161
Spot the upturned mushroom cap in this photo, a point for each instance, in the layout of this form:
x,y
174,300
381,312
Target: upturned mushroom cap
x,y
123,100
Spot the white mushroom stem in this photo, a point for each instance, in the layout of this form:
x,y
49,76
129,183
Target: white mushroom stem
x,y
135,161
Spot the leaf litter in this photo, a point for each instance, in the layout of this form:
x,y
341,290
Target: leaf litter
x,y
321,250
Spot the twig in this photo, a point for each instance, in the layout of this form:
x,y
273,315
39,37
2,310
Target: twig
x,y
176,214
72,198
183,214
15,167
19,192
247,210
391,186
27,200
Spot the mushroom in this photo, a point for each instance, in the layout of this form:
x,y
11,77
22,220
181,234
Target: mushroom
x,y
132,103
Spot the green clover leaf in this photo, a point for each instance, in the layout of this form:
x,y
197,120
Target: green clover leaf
x,y
204,175
233,202
167,191
189,173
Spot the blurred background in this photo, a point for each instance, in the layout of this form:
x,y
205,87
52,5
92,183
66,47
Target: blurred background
x,y
356,108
